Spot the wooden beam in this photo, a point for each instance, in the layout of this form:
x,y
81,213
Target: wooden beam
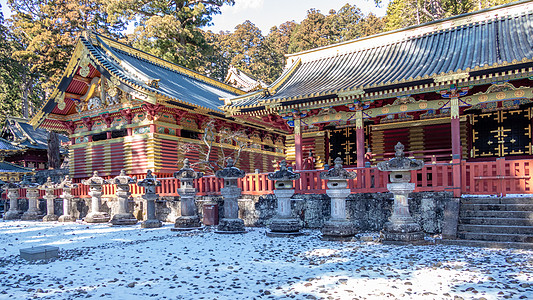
x,y
82,79
73,96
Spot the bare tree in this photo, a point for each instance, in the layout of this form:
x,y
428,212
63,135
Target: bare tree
x,y
230,143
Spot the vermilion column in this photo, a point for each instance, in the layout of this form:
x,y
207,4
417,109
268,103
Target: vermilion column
x,y
456,145
298,143
360,138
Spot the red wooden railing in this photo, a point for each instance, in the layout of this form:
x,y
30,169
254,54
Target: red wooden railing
x,y
500,177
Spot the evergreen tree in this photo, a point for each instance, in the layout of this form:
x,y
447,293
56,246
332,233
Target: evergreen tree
x,y
403,13
169,29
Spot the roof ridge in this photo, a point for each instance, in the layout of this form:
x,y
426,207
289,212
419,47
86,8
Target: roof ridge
x,y
415,31
32,140
165,64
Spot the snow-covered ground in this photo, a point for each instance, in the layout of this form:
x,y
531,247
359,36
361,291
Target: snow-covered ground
x,y
99,261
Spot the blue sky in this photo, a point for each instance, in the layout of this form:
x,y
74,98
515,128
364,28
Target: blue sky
x,y
267,13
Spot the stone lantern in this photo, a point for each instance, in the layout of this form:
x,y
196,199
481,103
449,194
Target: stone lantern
x,y
401,227
95,191
32,193
149,184
13,195
49,187
338,227
66,185
123,216
189,218
284,224
230,192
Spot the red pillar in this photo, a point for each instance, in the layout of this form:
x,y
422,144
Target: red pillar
x,y
298,144
152,128
456,146
360,139
108,135
130,131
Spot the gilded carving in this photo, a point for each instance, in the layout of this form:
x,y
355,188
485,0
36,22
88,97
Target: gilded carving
x,y
454,107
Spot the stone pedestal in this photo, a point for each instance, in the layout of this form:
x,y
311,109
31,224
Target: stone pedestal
x,y
66,185
49,187
96,216
33,213
189,219
14,213
230,223
338,227
284,224
401,226
123,216
151,220
95,191
149,184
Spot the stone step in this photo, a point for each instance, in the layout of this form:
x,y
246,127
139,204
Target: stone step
x,y
498,221
495,214
486,244
497,237
500,207
505,229
497,201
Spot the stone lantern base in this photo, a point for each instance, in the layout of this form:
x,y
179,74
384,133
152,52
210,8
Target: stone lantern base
x,y
338,230
402,233
50,218
123,219
66,218
98,217
284,227
151,224
184,223
231,226
31,216
12,215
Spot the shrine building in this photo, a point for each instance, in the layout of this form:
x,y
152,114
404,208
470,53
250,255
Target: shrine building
x,y
125,109
456,92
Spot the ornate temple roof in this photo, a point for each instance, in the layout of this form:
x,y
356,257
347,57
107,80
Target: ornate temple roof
x,y
7,167
242,80
456,49
7,147
147,77
22,134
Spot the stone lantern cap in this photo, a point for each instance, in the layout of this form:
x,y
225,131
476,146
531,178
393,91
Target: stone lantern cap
x,y
338,172
283,174
230,172
150,181
400,163
67,183
95,180
123,179
48,185
187,173
28,182
11,185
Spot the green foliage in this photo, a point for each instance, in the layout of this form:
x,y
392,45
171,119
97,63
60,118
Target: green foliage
x,y
169,29
403,13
